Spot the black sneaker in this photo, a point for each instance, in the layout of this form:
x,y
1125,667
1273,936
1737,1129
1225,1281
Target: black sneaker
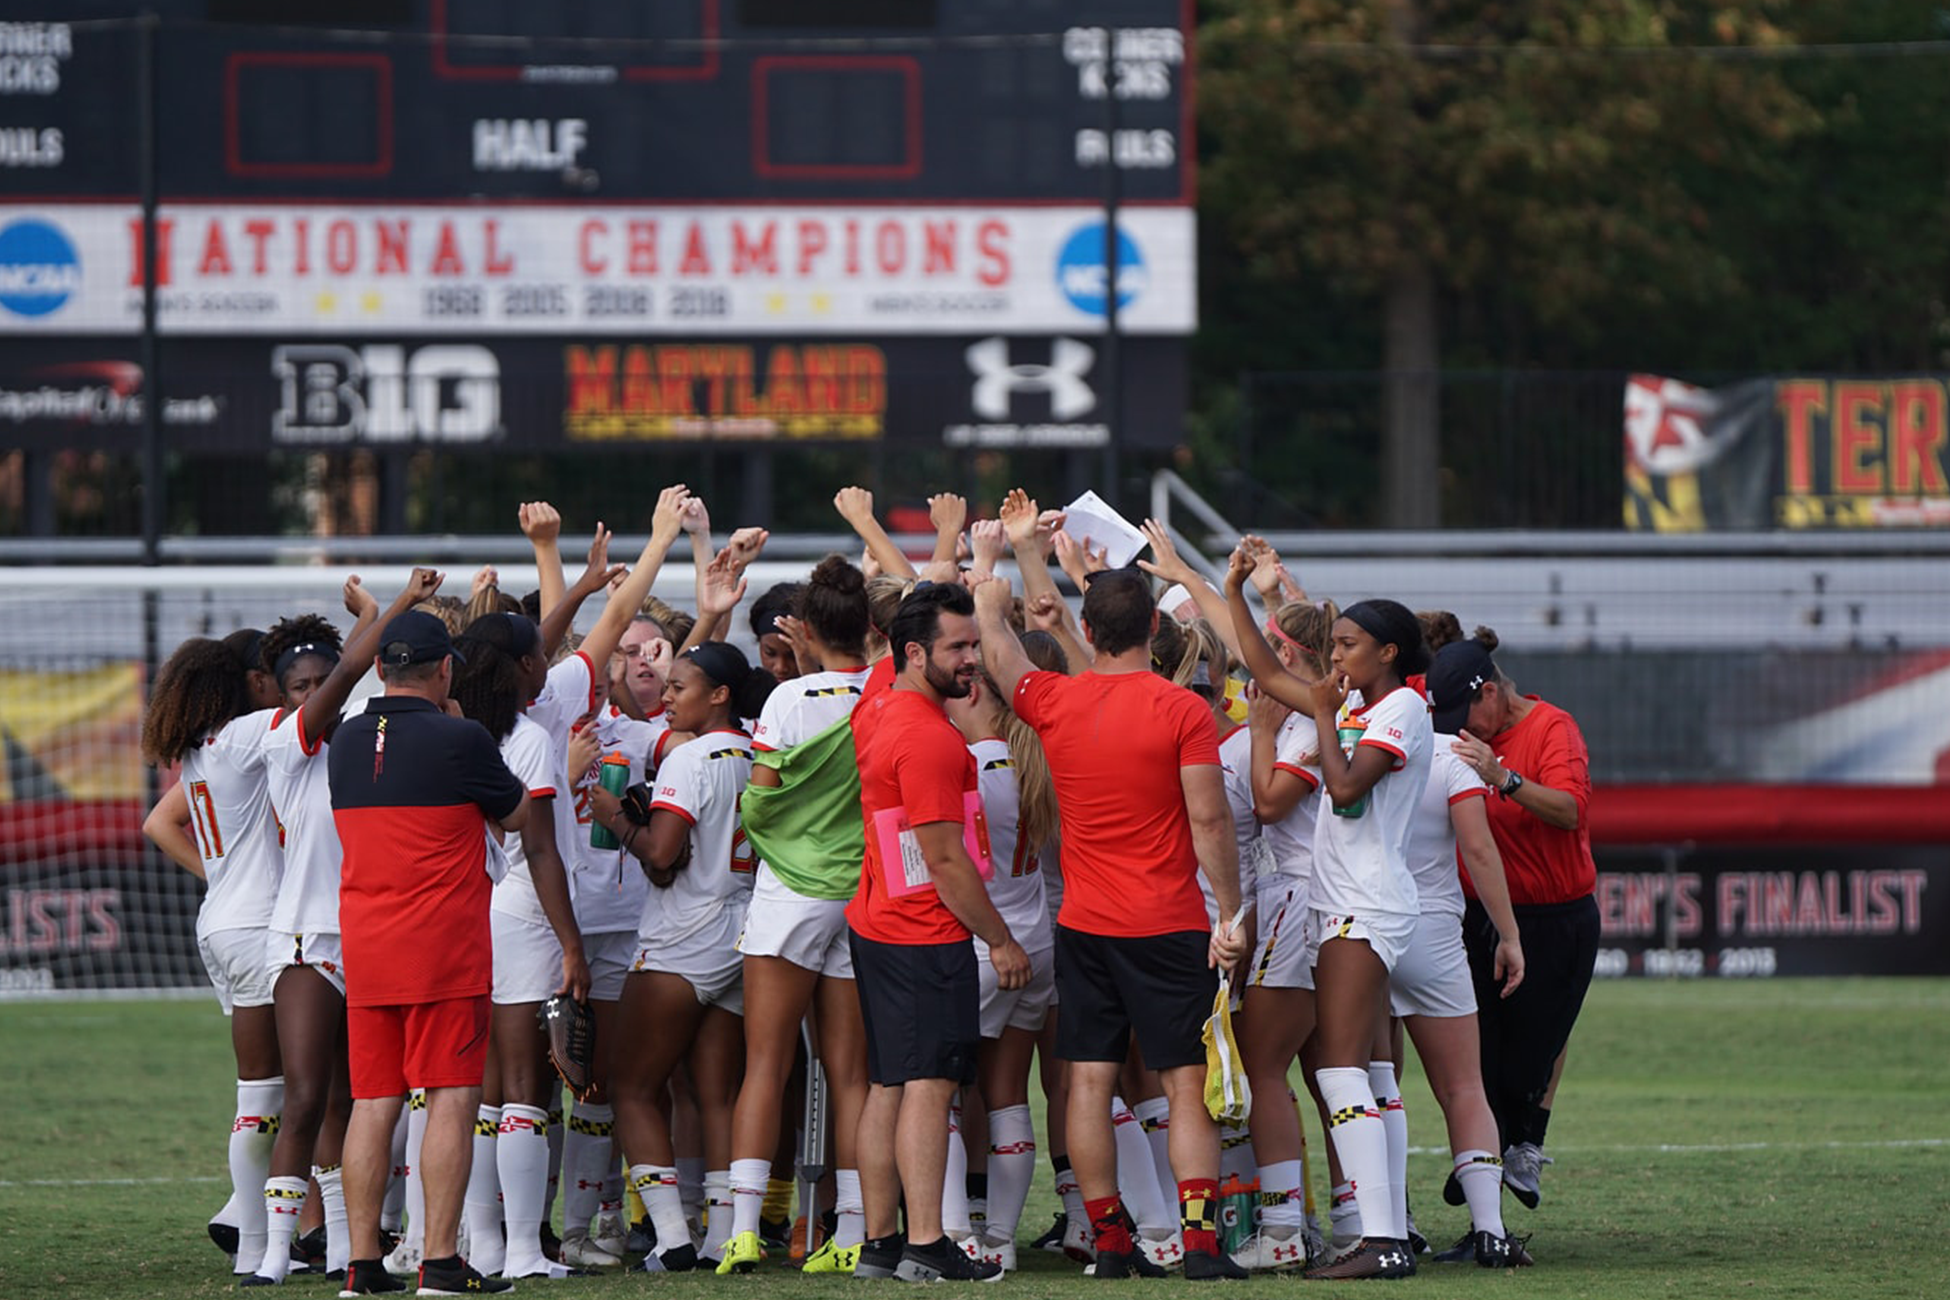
x,y
1371,1257
942,1260
369,1277
455,1276
1127,1263
1051,1240
880,1257
1202,1267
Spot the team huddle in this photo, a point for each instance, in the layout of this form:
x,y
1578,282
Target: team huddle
x,y
941,832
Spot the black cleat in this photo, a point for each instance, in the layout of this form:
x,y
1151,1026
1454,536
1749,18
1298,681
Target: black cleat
x,y
455,1276
943,1261
1127,1263
880,1258
256,1279
1371,1257
1201,1267
1050,1240
309,1250
678,1259
369,1277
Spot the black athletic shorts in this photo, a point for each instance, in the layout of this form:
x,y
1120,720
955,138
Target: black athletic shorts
x,y
922,1004
1109,987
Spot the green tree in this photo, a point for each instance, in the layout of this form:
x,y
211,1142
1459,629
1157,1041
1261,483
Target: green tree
x,y
1557,157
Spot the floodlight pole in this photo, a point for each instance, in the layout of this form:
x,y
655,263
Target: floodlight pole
x,y
152,468
1113,371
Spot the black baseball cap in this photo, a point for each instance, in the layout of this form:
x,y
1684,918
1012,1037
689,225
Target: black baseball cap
x,y
416,637
1459,670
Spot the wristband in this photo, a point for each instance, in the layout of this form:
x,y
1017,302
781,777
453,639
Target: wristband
x,y
1510,786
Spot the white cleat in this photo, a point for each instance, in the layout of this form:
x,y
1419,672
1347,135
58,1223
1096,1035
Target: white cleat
x,y
404,1259
581,1251
1273,1249
1166,1251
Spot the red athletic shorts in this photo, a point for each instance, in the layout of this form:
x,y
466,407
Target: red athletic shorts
x,y
417,1045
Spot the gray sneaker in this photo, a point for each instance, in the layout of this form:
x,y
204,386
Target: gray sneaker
x,y
1522,1164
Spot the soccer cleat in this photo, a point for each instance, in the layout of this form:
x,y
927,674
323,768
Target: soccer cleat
x,y
1000,1251
775,1234
943,1261
309,1250
1167,1251
612,1234
1267,1251
1201,1266
831,1257
579,1251
1079,1243
741,1254
1125,1263
1052,1239
456,1276
547,1271
642,1239
678,1259
1417,1243
369,1277
1372,1257
1488,1250
404,1260
879,1261
256,1279
1522,1164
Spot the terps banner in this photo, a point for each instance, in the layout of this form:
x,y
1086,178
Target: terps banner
x,y
1787,453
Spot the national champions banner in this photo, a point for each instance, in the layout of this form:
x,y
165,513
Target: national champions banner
x,y
1800,453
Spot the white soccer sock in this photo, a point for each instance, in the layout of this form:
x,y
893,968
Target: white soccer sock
x,y
1394,1121
719,1213
657,1185
850,1208
611,1204
253,1133
1154,1117
1012,1168
1279,1193
521,1158
1481,1176
954,1179
485,1249
1361,1140
416,1192
1070,1192
588,1155
390,1209
748,1179
338,1230
1344,1213
284,1201
1137,1174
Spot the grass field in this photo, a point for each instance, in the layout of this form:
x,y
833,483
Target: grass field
x,y
1774,1138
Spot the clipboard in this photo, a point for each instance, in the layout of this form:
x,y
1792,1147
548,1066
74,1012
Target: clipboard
x,y
903,868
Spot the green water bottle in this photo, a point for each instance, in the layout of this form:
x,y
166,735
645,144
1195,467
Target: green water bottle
x,y
615,778
1350,737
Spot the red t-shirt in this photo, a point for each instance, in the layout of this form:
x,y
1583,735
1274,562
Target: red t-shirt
x,y
1115,744
911,758
1543,864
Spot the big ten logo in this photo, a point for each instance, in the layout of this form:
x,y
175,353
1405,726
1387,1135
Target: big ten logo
x,y
380,393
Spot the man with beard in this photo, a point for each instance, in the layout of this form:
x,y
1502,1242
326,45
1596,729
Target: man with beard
x,y
921,894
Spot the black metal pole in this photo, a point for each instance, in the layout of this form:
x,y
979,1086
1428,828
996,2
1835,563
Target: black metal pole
x,y
152,467
1113,371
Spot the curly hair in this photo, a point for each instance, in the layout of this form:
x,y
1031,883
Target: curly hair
x,y
301,629
198,689
834,604
491,687
1439,628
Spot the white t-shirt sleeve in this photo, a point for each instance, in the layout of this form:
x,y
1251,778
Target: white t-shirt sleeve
x,y
680,782
1399,725
567,695
1459,779
1297,749
528,752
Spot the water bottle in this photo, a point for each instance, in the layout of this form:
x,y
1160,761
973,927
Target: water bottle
x,y
615,778
1350,737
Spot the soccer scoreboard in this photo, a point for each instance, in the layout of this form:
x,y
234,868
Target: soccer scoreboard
x,y
384,222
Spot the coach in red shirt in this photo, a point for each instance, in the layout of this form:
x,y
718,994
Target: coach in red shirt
x,y
920,896
1135,760
412,788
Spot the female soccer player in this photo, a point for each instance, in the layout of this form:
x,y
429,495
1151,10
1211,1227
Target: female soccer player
x,y
210,709
683,997
1374,744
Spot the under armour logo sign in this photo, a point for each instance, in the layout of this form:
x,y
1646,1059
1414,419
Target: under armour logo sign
x,y
997,381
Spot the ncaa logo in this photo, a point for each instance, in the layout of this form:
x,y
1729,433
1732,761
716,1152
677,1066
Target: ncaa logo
x,y
1080,269
39,269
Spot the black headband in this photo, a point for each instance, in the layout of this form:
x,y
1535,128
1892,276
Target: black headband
x,y
722,663
297,652
1370,620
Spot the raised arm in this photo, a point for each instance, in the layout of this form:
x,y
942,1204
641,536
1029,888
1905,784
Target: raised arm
x,y
855,505
627,598
1254,652
1167,565
541,524
1001,649
719,589
323,704
949,514
1023,526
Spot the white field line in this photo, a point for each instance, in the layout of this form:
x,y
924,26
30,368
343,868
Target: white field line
x,y
1663,1148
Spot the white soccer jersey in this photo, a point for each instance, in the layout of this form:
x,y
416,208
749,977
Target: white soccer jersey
x,y
700,781
1017,887
1235,762
233,825
1432,836
610,888
1291,839
805,706
1361,862
536,760
568,695
308,895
